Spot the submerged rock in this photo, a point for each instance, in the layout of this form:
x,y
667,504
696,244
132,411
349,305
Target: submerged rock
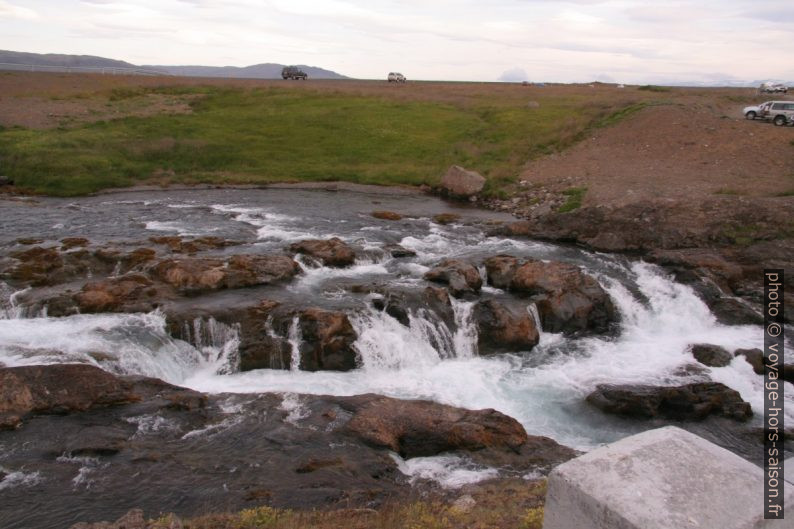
x,y
387,215
679,403
462,277
330,252
397,251
711,355
504,328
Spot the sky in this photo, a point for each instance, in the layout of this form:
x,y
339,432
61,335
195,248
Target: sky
x,y
626,41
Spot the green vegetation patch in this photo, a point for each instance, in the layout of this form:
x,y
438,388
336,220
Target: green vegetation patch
x,y
574,201
254,136
654,88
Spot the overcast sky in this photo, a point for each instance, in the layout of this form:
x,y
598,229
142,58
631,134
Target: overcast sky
x,y
539,40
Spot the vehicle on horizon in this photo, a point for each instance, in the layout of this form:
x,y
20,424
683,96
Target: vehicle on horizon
x,y
756,111
396,77
772,88
293,72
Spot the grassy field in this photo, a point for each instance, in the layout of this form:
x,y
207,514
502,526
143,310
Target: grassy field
x,y
281,132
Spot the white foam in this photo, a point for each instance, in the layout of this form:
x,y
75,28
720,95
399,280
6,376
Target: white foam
x,y
19,479
449,471
172,226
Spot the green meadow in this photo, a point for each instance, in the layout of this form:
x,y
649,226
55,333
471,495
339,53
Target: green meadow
x,y
245,135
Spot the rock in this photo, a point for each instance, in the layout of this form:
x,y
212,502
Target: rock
x,y
654,480
328,339
178,245
394,305
73,242
387,215
567,299
731,311
461,277
417,428
445,218
203,274
128,293
398,251
262,329
331,252
500,270
711,355
755,357
133,519
464,503
459,182
679,403
36,265
58,389
503,328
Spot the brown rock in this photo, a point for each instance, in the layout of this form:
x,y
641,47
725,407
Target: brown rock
x,y
331,252
415,428
500,270
129,293
201,274
567,299
680,403
461,277
503,328
387,215
328,339
445,218
57,389
73,242
459,182
36,265
399,251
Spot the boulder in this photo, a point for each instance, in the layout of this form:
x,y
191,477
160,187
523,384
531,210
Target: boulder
x,y
416,428
128,293
460,182
178,245
500,270
331,252
57,389
462,277
203,274
690,402
711,355
504,328
567,299
327,341
387,215
36,266
394,305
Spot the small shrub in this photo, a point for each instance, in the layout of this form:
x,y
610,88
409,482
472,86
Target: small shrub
x,y
260,517
654,88
533,519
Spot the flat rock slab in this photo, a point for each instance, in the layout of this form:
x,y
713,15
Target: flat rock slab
x,y
660,479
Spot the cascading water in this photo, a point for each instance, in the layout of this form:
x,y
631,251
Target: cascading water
x,y
429,358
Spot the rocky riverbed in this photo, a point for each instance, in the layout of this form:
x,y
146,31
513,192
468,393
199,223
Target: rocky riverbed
x,y
200,350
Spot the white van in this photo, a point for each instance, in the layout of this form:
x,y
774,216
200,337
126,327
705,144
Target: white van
x,y
395,77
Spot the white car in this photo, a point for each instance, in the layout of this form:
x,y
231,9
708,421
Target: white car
x,y
396,77
756,111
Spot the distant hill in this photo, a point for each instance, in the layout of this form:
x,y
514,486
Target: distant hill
x,y
53,59
257,71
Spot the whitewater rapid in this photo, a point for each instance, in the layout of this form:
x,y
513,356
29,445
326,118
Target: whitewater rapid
x,y
544,389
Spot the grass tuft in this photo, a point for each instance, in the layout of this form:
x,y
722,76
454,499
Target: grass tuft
x,y
575,196
654,88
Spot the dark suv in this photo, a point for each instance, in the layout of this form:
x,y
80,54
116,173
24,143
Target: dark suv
x,y
293,72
